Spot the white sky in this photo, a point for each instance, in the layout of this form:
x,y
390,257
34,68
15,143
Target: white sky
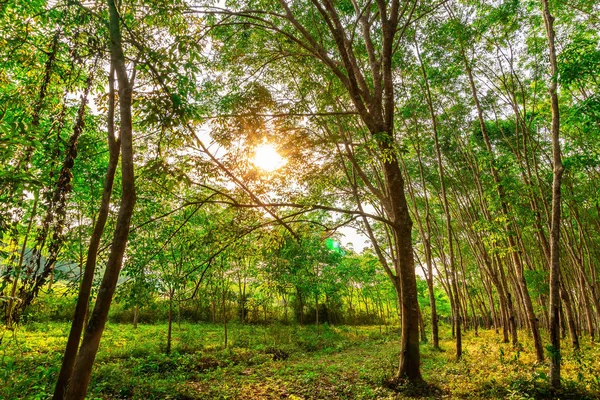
x,y
353,238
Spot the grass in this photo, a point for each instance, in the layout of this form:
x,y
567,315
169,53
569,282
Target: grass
x,y
283,362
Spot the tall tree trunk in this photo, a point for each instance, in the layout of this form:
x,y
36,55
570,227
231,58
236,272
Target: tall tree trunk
x,y
510,310
78,385
85,288
410,358
556,205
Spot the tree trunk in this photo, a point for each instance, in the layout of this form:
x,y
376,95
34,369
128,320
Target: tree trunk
x,y
570,320
224,316
556,205
301,307
136,316
285,309
510,310
425,233
317,310
170,330
421,327
15,284
85,288
77,388
448,218
410,358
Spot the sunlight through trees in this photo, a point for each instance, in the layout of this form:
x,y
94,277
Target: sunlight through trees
x,y
179,179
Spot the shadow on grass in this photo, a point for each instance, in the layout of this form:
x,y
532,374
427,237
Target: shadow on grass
x,y
533,388
414,390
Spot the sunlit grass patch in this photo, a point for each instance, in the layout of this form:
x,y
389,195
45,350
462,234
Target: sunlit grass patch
x,y
280,361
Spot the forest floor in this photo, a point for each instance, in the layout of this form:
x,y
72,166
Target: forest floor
x,y
283,362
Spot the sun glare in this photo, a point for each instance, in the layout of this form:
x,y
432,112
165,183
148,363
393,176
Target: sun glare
x,y
267,158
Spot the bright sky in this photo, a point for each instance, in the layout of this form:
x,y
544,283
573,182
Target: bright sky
x,y
267,158
353,238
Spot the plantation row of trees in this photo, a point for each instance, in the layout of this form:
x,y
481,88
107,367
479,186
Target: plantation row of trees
x,y
460,138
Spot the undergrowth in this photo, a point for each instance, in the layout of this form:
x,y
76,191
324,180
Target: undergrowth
x,y
278,362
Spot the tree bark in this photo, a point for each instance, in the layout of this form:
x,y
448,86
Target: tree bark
x,y
85,288
556,205
78,385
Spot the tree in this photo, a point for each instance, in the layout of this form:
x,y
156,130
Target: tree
x,y
80,378
556,206
368,82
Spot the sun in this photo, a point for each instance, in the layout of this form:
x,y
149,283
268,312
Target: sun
x,y
267,158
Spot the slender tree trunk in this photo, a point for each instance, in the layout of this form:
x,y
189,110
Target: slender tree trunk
x,y
285,308
224,316
85,288
505,319
556,205
170,330
317,310
510,310
570,320
528,305
78,385
425,233
136,316
435,335
214,311
495,318
265,312
562,323
15,284
421,327
300,300
410,358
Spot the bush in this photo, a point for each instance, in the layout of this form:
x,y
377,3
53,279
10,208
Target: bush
x,y
58,305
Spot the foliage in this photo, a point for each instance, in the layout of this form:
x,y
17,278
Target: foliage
x,y
338,362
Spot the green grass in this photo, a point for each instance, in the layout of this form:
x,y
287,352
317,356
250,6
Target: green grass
x,y
278,362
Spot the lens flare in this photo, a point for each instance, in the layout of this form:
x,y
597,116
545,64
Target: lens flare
x,y
267,158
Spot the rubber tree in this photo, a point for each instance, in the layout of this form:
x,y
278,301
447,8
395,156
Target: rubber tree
x,y
557,174
78,384
369,86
